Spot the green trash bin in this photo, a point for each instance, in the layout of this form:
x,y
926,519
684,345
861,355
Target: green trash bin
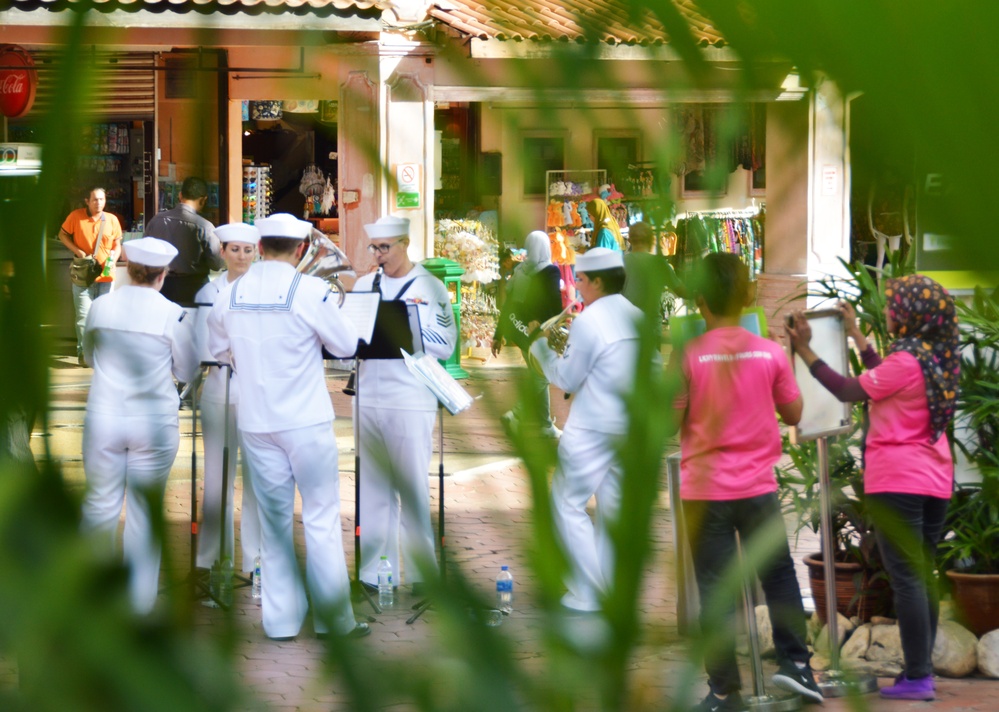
x,y
449,272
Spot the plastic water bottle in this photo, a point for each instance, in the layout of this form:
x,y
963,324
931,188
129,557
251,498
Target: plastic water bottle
x,y
386,591
504,590
255,590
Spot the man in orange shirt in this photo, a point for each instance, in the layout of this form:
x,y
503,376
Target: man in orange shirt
x,y
91,232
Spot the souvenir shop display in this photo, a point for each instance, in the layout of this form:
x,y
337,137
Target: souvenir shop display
x,y
740,232
257,193
319,191
473,245
565,197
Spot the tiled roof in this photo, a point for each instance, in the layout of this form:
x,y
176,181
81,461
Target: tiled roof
x,y
203,6
607,21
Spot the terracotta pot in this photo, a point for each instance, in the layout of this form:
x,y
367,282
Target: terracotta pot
x,y
875,598
976,597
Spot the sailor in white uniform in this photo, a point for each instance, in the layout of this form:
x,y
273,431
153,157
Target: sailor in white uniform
x,y
598,367
397,417
137,342
239,250
271,325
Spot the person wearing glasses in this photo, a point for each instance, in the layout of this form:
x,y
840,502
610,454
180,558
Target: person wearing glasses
x,y
396,417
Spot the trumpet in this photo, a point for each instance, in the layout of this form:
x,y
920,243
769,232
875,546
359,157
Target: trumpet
x,y
556,330
325,260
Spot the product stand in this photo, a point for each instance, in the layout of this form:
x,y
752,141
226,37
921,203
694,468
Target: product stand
x,y
834,682
423,605
761,700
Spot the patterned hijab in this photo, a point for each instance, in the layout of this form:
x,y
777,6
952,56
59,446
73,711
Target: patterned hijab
x,y
926,323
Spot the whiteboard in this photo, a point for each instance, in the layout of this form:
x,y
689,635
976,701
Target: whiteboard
x,y
823,415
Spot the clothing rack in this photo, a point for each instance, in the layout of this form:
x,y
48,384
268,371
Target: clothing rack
x,y
739,231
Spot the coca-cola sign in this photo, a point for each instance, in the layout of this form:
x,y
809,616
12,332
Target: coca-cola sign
x,y
18,81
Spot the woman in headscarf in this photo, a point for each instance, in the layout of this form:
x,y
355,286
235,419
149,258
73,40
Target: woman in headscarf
x,y
908,470
533,294
606,232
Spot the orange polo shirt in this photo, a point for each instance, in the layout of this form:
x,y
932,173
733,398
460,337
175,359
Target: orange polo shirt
x,y
85,230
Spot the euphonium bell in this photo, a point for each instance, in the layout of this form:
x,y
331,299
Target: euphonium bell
x,y
325,260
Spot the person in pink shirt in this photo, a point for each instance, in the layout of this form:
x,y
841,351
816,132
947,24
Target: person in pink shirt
x,y
732,383
908,471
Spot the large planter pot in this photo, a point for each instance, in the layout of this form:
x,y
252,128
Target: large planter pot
x,y
976,597
860,592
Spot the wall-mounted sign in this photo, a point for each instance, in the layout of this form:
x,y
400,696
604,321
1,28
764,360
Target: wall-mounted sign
x,y
408,180
18,81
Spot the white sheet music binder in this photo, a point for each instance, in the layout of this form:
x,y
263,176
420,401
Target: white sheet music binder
x,y
441,383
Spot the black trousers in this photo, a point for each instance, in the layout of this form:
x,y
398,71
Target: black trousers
x,y
711,529
908,530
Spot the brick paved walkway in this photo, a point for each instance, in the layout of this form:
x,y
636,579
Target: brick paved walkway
x,y
488,513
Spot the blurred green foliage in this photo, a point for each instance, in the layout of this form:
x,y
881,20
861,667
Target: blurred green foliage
x,y
927,71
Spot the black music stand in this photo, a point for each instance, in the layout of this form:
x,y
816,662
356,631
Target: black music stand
x,y
452,396
197,580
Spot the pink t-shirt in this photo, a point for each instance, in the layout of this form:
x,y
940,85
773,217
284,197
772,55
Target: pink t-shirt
x,y
900,457
729,438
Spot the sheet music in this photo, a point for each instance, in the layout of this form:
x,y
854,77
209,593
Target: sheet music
x,y
441,383
361,308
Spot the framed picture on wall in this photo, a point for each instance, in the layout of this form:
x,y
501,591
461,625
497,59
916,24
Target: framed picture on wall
x,y
758,181
615,150
540,152
704,184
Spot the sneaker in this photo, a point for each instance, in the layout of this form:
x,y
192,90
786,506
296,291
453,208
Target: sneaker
x,y
551,432
360,630
921,688
732,703
799,680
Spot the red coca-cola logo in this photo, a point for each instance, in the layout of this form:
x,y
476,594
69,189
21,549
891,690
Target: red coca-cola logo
x,y
17,85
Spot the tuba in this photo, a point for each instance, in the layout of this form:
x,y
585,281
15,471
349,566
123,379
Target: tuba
x,y
325,260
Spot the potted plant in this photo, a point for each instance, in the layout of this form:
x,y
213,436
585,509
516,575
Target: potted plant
x,y
969,551
862,587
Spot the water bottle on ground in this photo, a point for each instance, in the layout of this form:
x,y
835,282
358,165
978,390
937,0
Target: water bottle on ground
x,y
504,590
386,591
255,589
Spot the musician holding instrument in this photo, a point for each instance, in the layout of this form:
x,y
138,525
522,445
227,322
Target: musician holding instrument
x,y
271,325
137,342
534,294
396,417
239,250
597,366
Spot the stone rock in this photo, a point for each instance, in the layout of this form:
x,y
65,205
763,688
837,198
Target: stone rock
x,y
886,645
843,628
886,668
954,654
857,644
766,632
882,620
988,654
819,662
814,628
947,611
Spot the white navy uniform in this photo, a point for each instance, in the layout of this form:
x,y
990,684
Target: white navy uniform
x,y
137,341
271,324
396,435
598,367
213,435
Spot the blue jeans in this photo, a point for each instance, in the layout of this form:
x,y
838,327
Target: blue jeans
x,y
83,297
711,529
908,531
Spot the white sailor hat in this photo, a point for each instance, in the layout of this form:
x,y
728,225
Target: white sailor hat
x,y
599,258
284,225
150,251
388,226
238,232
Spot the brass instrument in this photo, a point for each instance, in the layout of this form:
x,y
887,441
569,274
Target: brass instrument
x,y
556,330
325,260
